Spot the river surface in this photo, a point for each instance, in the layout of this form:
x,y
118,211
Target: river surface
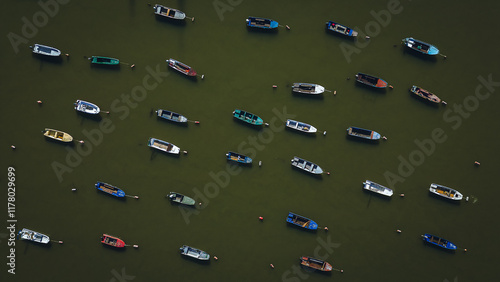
x,y
425,143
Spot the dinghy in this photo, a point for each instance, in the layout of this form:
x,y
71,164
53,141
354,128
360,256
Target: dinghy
x,y
306,165
167,12
86,107
163,146
45,50
57,135
34,236
307,88
194,253
420,46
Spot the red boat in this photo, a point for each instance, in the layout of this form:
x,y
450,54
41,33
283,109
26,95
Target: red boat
x,y
315,264
180,67
112,241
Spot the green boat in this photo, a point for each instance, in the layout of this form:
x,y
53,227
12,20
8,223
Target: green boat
x,y
247,117
181,199
98,60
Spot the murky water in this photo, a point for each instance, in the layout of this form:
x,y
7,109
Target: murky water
x,y
426,144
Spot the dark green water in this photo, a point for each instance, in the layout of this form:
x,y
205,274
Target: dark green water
x,y
240,67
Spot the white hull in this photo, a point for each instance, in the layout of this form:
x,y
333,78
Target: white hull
x,y
300,126
377,188
445,192
34,236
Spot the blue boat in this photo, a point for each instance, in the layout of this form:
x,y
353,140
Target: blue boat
x,y
344,30
301,221
439,242
420,46
239,158
363,133
261,23
110,189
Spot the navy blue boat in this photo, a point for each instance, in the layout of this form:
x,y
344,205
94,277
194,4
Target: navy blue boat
x,y
261,23
439,242
239,158
110,189
342,29
301,221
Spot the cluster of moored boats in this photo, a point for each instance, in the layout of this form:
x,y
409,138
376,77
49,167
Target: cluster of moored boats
x,y
254,120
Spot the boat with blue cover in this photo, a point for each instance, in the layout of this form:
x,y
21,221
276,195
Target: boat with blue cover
x,y
110,189
420,46
30,235
168,115
239,158
371,80
261,23
377,188
363,133
194,253
300,126
306,165
439,242
342,29
45,50
86,107
247,117
301,221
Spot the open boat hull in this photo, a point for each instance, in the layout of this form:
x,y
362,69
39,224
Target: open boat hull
x,y
262,23
341,29
247,117
171,116
239,158
300,126
301,221
306,165
86,107
44,50
307,88
181,199
112,241
167,12
58,135
424,94
110,189
363,133
445,192
439,242
194,253
104,61
377,188
316,264
30,235
163,146
181,67
420,46
371,80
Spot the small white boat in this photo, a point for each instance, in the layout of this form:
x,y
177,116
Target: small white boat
x,y
34,236
194,253
377,188
45,50
163,146
307,88
87,107
300,126
306,165
167,12
446,192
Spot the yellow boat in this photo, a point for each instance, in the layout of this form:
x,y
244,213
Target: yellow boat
x,y
57,135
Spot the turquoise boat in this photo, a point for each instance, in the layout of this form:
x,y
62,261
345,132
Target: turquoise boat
x,y
420,46
247,117
98,60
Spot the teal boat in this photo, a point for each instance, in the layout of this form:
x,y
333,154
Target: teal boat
x,y
247,117
98,60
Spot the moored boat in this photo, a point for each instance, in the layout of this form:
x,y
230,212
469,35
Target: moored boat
x,y
316,264
307,88
306,165
57,135
112,241
300,126
363,133
30,235
422,93
194,253
110,189
420,46
261,23
438,241
181,199
377,188
86,107
445,192
105,61
371,80
45,50
181,67
163,146
301,221
168,115
247,117
239,158
344,30
167,12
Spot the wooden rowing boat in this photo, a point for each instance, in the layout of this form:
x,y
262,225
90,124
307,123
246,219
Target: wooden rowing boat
x,y
167,12
363,133
371,80
307,88
446,192
424,94
194,253
262,23
112,241
44,50
57,135
171,116
110,189
301,221
86,107
30,235
306,165
316,264
377,188
104,61
181,67
341,29
300,126
247,117
420,46
439,242
163,146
